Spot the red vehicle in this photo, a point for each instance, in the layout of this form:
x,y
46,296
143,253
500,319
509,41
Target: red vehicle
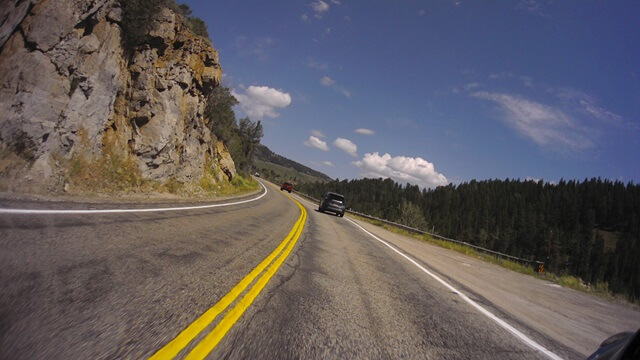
x,y
286,186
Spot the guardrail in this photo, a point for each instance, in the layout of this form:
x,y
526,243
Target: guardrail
x,y
538,266
535,264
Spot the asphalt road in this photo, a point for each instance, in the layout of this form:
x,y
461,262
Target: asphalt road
x,y
124,285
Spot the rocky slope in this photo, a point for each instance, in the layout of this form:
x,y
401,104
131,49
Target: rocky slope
x,y
68,92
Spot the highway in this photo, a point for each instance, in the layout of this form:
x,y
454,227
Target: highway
x,y
270,278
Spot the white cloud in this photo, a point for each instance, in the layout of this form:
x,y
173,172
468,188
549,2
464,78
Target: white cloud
x,y
526,80
422,12
416,171
546,126
261,101
327,81
320,6
471,86
534,7
304,17
600,113
347,146
327,163
317,133
313,64
258,47
316,143
365,131
343,91
587,105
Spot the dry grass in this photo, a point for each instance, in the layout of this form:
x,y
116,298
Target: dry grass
x,y
115,172
110,172
599,288
12,169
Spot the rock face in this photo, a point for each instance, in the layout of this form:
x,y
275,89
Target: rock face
x,y
65,79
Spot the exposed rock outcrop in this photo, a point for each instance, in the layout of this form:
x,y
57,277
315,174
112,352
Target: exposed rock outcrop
x,y
64,73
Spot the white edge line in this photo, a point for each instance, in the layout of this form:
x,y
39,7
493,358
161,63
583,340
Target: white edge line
x,y
531,343
110,211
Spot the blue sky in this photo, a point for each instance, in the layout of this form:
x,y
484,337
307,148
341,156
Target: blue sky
x,y
441,91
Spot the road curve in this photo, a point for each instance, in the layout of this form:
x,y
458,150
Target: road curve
x,y
124,285
345,295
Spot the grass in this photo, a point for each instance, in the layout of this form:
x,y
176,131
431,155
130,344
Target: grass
x,y
11,169
211,182
568,281
112,171
238,185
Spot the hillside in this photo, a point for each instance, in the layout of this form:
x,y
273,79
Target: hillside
x,y
285,169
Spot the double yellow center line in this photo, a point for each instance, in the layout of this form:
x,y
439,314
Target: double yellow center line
x,y
206,345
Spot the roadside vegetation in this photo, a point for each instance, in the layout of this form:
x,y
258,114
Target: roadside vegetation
x,y
12,168
569,281
241,137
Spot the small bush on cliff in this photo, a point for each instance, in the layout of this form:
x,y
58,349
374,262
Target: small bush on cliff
x,y
197,25
137,20
194,23
138,16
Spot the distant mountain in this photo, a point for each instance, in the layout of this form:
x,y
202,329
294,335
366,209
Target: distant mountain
x,y
265,155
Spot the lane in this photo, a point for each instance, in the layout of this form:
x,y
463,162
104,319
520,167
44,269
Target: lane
x,y
124,285
344,295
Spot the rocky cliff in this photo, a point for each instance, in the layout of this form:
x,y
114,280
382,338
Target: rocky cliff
x,y
68,92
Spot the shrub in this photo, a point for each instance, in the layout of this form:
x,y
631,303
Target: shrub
x,y
137,20
197,25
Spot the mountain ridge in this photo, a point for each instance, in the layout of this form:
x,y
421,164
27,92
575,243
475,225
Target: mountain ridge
x,y
265,154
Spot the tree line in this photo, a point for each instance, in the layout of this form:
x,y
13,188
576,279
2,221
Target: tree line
x,y
242,137
589,229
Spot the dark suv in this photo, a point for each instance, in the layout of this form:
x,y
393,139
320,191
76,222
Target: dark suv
x,y
333,202
286,186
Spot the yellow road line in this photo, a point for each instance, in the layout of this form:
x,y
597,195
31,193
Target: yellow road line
x,y
176,345
213,338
